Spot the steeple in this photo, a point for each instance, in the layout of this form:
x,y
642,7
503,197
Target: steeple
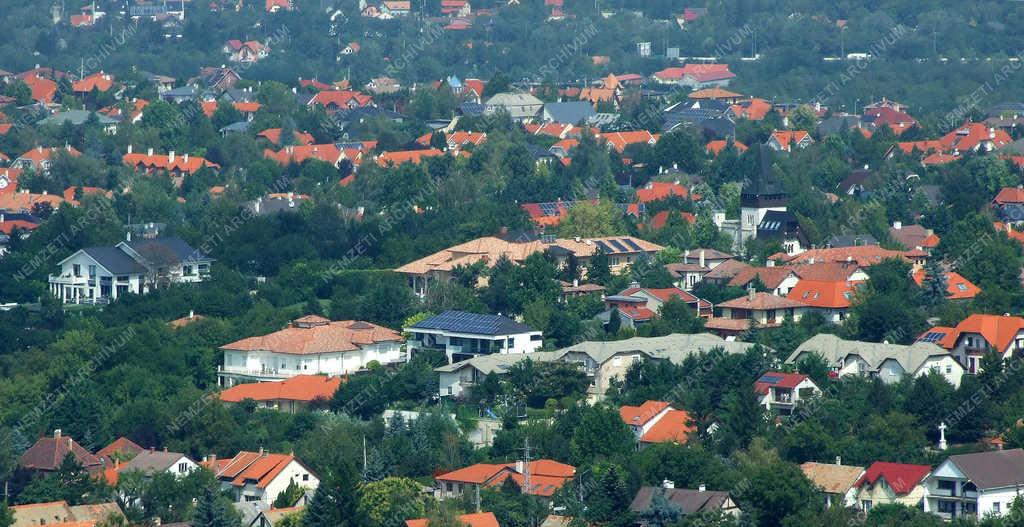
x,y
763,189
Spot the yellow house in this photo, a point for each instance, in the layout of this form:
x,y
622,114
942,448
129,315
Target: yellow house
x,y
885,482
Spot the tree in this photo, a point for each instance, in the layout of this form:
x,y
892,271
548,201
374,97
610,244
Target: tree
x,y
609,496
774,491
210,511
6,515
334,504
679,317
934,286
289,496
599,270
439,141
601,434
590,220
390,501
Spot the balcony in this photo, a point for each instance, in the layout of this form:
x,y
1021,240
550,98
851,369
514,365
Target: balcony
x,y
70,280
266,373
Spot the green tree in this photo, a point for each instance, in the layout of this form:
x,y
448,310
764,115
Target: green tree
x,y
599,270
609,497
601,434
335,502
934,286
391,501
6,515
590,220
289,496
211,511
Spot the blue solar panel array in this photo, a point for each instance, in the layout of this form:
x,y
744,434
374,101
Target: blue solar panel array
x,y
932,336
770,379
475,323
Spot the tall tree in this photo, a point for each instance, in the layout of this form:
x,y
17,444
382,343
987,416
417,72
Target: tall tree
x,y
210,511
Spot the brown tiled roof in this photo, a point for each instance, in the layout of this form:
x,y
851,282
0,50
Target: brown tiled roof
x,y
828,271
770,276
345,335
49,452
305,388
761,301
726,269
121,445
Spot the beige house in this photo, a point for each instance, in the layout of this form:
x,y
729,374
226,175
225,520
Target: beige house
x,y
835,481
888,362
885,482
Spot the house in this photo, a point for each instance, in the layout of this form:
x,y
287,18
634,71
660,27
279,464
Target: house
x,y
222,78
969,137
688,273
102,274
455,140
150,462
297,154
851,240
456,378
276,202
473,519
830,298
337,100
752,109
763,309
255,479
978,334
657,422
273,6
888,362
782,392
884,482
175,166
310,345
637,305
567,113
274,516
897,120
957,287
863,255
783,140
98,81
696,76
293,395
620,140
913,236
622,252
520,106
777,280
60,514
715,147
47,454
835,481
545,476
121,448
274,136
39,159
687,501
396,7
246,52
80,117
383,85
396,158
1008,205
975,485
461,335
607,361
660,190
856,183
43,89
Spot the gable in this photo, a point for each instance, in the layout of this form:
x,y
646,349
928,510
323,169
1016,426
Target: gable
x,y
948,469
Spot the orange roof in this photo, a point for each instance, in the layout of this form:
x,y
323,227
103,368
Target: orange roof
x,y
253,467
274,136
43,90
673,427
23,201
714,93
327,152
785,137
862,255
99,81
306,388
923,146
341,99
998,331
753,109
620,140
640,415
716,146
182,162
660,219
596,95
5,127
939,158
957,286
546,476
406,156
456,139
1009,195
970,135
476,519
303,337
656,190
1012,233
39,153
824,293
10,180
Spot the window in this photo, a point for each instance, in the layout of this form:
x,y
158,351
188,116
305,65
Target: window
x,y
92,271
947,507
249,498
182,467
866,505
76,270
305,477
535,337
449,486
186,270
947,486
949,368
995,507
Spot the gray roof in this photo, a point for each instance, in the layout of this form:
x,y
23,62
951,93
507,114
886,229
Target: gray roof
x,y
497,362
689,501
990,470
571,112
675,348
166,249
835,349
153,461
76,117
115,260
518,105
851,240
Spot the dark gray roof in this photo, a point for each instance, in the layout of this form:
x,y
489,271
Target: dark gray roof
x,y
837,124
989,470
170,249
689,501
778,224
538,152
571,112
857,177
1005,107
476,323
851,240
114,260
238,127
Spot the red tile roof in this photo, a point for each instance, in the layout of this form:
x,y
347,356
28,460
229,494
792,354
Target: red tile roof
x,y
673,427
322,336
121,445
663,294
762,301
40,154
999,331
252,467
327,153
620,140
43,90
640,415
658,220
715,147
386,159
476,519
900,476
305,388
341,99
99,81
656,190
49,452
274,136
753,109
957,286
824,294
862,255
778,380
785,137
1009,195
546,476
896,120
184,163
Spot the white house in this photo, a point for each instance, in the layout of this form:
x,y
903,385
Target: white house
x,y
657,422
255,479
978,334
975,485
311,345
782,392
888,362
454,379
461,335
102,274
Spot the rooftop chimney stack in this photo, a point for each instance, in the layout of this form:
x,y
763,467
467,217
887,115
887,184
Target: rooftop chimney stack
x,y
56,432
170,157
668,484
702,488
701,261
839,460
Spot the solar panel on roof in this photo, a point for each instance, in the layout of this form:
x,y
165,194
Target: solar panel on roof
x,y
549,209
771,379
603,247
632,244
617,245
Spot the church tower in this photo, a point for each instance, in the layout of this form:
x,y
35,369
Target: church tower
x,y
762,192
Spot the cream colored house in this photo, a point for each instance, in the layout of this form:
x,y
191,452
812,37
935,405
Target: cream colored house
x,y
885,482
888,362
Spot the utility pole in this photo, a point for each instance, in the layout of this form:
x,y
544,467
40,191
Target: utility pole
x,y
526,465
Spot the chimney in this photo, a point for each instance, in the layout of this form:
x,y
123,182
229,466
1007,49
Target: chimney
x,y
897,225
576,239
770,263
991,133
56,433
751,293
184,159
839,460
291,195
262,452
686,256
170,157
520,466
668,484
213,458
149,151
191,314
129,148
165,449
701,256
702,488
